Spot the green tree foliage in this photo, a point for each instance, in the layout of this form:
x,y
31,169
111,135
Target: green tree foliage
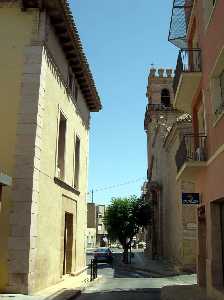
x,y
124,217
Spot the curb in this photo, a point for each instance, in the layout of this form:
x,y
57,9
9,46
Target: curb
x,y
80,291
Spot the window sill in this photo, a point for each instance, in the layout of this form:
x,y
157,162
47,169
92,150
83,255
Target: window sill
x,y
217,118
66,186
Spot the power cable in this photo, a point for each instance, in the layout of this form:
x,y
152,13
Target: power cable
x,y
116,185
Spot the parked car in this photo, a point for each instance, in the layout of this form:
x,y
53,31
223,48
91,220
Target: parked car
x,y
103,254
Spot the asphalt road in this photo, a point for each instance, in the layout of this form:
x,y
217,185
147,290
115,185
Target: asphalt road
x,y
118,284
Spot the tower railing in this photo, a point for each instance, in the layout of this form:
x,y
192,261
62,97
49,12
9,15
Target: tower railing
x,y
159,107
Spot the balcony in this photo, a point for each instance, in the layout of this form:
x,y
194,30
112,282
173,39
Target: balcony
x,y
191,156
179,23
187,78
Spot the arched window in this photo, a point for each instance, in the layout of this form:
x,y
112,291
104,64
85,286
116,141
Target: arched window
x,y
165,97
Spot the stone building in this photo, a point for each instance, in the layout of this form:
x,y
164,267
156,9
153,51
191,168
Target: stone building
x,y
199,90
172,232
91,225
96,232
47,95
101,233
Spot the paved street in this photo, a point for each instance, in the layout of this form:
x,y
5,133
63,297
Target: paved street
x,y
120,283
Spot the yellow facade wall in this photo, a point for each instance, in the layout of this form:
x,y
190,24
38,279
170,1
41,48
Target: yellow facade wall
x,y
55,200
52,200
14,37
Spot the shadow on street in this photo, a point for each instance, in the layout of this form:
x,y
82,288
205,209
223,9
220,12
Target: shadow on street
x,y
133,294
119,270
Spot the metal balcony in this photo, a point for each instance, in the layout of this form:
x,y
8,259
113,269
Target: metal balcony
x,y
179,22
191,156
187,78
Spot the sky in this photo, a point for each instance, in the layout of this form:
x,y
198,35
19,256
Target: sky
x,y
121,39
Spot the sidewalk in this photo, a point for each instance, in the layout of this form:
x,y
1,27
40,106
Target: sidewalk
x,y
183,286
186,292
69,287
156,268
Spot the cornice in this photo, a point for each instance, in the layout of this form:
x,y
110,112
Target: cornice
x,y
65,28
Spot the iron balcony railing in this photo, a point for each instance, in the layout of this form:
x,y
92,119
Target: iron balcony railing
x,y
179,23
159,107
188,61
192,148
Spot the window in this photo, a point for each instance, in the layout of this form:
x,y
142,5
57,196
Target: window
x,y
70,80
61,148
72,85
221,78
165,97
217,92
76,91
77,161
99,227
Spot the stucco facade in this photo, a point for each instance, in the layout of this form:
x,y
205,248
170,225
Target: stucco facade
x,y
202,84
172,232
45,148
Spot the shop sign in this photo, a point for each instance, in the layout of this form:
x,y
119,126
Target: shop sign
x,y
190,198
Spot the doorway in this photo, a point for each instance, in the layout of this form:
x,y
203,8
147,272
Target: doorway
x,y
68,244
202,246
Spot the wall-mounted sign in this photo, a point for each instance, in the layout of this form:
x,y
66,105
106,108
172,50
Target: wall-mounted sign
x,y
190,198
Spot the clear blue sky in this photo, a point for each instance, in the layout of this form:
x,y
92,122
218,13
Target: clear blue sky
x,y
121,39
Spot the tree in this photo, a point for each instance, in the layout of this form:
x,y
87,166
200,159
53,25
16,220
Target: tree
x,y
123,219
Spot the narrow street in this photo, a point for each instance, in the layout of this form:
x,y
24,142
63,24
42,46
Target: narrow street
x,y
119,282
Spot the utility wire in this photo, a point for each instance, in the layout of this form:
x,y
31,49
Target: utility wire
x,y
117,185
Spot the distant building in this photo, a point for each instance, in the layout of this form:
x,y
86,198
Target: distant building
x,y
91,225
95,226
101,233
172,231
91,238
197,28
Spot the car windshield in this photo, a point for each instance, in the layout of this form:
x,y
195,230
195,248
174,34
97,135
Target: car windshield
x,y
101,250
